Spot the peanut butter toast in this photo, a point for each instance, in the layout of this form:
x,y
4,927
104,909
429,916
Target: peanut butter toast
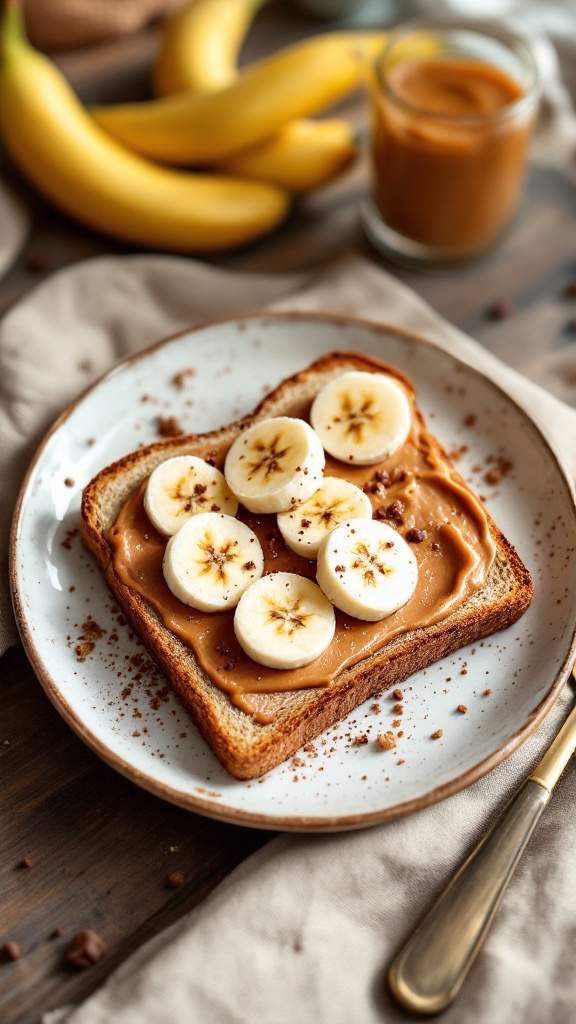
x,y
413,569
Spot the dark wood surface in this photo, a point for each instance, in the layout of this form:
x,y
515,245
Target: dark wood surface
x,y
101,849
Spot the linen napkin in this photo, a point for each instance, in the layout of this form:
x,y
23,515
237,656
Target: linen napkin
x,y
304,929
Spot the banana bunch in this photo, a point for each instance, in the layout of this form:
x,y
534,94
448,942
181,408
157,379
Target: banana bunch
x,y
246,130
199,53
215,562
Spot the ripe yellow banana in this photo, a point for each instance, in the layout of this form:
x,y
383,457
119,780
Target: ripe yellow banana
x,y
300,157
57,145
200,46
300,80
199,52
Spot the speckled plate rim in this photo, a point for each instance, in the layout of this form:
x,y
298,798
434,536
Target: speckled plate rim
x,y
210,807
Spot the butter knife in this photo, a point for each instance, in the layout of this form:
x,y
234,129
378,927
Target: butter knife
x,y
428,972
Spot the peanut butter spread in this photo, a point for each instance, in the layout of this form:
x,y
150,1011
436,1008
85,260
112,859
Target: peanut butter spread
x,y
414,490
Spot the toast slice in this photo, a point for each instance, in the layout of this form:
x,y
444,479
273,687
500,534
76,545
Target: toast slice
x,y
249,745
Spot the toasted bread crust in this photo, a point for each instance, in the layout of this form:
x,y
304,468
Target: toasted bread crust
x,y
246,748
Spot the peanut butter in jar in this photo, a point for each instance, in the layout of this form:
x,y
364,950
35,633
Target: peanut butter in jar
x,y
453,112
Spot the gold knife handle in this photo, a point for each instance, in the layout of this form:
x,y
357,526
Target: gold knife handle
x,y
429,970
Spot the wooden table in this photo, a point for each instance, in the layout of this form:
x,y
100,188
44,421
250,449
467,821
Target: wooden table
x,y
101,849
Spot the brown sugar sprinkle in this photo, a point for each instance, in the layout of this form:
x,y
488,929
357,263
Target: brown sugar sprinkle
x,y
180,378
487,693
360,741
438,734
397,694
396,723
169,426
386,740
175,880
67,542
376,709
462,709
398,708
11,951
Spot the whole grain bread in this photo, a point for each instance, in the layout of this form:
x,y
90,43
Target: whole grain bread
x,y
248,748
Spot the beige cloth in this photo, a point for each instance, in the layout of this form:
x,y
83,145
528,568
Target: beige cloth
x,y
64,24
303,930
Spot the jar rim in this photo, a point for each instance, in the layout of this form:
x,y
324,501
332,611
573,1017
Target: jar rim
x,y
515,41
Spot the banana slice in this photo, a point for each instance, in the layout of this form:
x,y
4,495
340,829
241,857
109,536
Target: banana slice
x,y
284,621
275,464
366,569
182,487
335,501
211,561
361,417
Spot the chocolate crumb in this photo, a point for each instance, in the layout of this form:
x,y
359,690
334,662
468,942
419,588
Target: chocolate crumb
x,y
436,735
493,476
11,951
500,309
26,862
416,536
169,426
37,262
85,949
175,880
392,511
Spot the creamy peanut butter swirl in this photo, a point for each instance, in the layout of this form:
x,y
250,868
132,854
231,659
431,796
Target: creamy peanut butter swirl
x,y
413,490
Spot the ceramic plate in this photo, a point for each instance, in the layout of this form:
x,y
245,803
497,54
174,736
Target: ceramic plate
x,y
103,683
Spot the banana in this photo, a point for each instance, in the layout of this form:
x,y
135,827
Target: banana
x,y
275,464
303,529
300,80
199,52
57,145
284,621
366,569
361,417
200,46
302,156
211,561
185,486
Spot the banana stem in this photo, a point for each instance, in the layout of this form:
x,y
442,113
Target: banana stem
x,y
12,25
